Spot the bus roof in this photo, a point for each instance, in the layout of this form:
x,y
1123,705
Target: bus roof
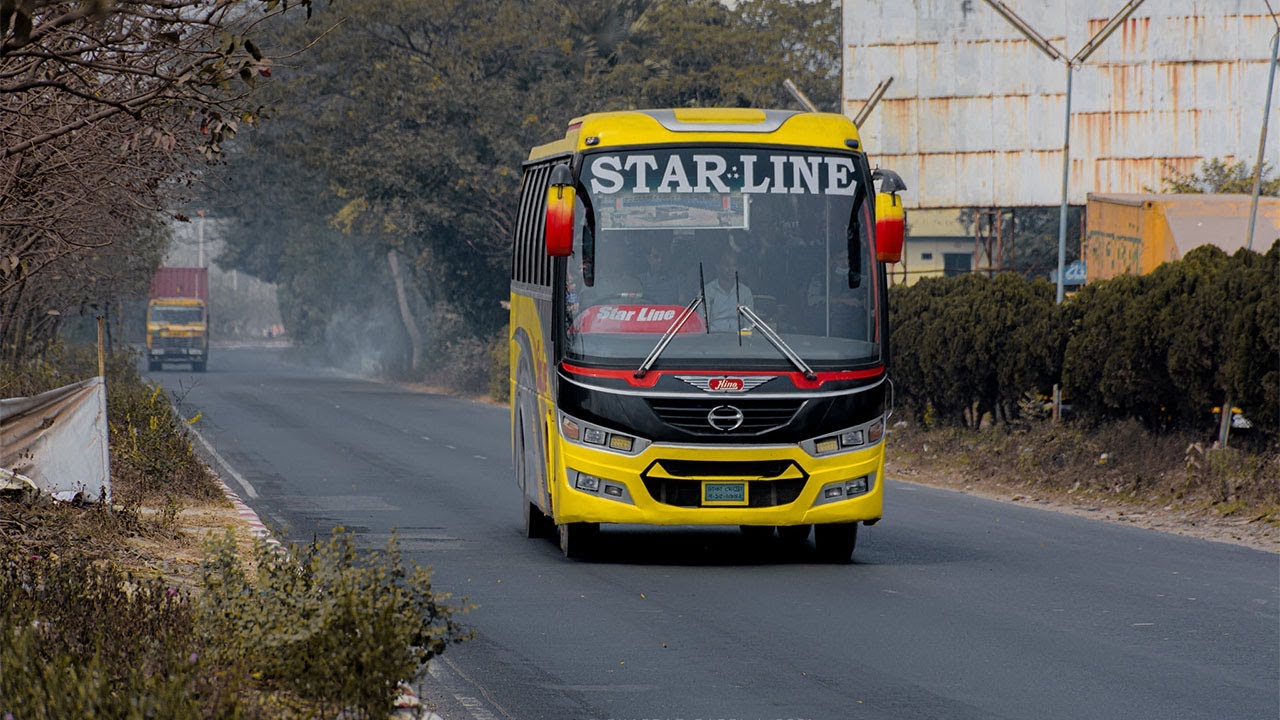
x,y
703,125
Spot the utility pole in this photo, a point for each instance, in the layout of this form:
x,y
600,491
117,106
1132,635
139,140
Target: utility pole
x,y
1071,63
1262,148
199,238
1058,56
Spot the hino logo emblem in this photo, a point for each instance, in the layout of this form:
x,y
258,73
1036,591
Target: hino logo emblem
x,y
725,418
726,384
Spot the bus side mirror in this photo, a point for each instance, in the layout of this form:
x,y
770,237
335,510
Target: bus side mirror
x,y
889,227
890,216
560,202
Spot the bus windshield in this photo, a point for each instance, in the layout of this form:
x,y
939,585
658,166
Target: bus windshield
x,y
781,232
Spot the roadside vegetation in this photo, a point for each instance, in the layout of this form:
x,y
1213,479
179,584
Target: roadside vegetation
x,y
108,112
1146,364
161,606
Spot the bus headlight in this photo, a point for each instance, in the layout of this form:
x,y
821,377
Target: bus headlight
x,y
569,428
584,433
875,432
845,489
849,439
592,485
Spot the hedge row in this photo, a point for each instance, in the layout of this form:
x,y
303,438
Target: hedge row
x,y
1164,348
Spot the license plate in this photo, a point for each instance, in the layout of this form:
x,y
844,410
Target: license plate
x,y
724,493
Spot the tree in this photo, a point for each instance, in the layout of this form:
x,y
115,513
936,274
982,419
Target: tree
x,y
1219,176
421,154
103,108
1250,368
702,53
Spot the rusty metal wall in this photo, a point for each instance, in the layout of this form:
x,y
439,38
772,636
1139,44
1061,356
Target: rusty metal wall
x,y
975,113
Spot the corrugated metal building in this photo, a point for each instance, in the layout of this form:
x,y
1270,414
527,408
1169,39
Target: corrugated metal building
x,y
974,117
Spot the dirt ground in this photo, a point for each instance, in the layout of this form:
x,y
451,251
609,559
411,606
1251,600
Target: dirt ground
x,y
1256,526
1254,532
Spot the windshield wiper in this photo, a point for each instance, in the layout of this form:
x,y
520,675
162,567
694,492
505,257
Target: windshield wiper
x,y
687,313
777,341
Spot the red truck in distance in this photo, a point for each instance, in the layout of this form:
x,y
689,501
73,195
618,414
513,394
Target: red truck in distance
x,y
178,318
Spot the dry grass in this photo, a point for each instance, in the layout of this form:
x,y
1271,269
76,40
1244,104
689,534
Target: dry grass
x,y
1122,472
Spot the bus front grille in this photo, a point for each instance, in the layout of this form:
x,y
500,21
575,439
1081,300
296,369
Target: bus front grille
x,y
770,483
688,493
694,415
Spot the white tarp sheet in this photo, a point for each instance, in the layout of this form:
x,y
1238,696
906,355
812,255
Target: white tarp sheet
x,y
58,439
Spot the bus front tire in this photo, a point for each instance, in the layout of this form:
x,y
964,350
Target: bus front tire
x,y
757,534
578,540
794,536
153,366
536,523
836,541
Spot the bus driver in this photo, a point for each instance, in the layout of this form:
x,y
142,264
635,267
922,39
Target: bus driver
x,y
725,292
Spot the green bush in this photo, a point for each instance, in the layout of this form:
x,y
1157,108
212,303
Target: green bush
x,y
151,451
1169,347
1114,364
309,634
1164,349
306,633
83,639
333,626
966,346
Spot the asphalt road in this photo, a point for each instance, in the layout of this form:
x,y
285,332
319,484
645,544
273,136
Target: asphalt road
x,y
956,607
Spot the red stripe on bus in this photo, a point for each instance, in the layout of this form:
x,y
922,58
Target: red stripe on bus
x,y
651,378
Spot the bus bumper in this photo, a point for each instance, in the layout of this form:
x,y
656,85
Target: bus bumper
x,y
628,486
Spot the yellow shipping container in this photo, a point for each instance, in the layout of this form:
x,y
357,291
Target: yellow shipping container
x,y
1134,233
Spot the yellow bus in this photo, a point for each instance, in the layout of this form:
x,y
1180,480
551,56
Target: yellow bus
x,y
699,332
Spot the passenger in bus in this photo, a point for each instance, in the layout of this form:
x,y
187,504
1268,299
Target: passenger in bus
x,y
723,294
847,306
660,281
614,289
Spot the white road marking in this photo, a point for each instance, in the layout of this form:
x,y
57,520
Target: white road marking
x,y
474,706
451,447
424,437
248,489
479,457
